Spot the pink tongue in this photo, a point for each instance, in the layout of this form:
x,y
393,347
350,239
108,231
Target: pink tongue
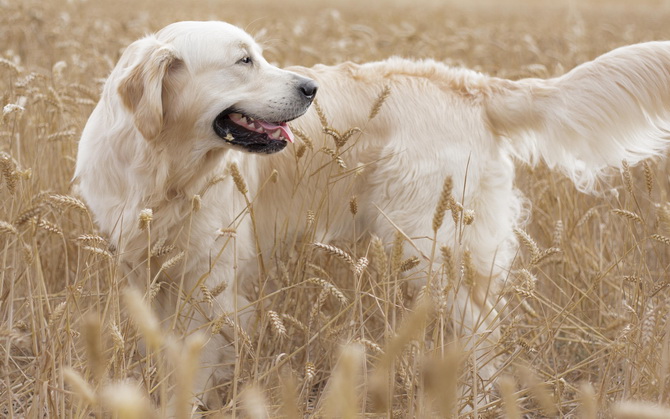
x,y
285,130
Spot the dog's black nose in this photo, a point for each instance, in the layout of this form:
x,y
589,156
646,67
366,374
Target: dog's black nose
x,y
308,88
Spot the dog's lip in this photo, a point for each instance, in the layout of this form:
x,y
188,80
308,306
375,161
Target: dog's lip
x,y
250,136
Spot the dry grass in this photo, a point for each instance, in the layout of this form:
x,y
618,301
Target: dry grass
x,y
584,330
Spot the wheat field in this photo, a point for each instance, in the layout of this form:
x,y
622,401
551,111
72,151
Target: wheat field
x,y
585,325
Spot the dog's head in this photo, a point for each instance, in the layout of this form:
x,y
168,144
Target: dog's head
x,y
208,81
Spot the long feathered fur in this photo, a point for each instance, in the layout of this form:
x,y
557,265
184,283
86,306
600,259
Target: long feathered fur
x,y
602,112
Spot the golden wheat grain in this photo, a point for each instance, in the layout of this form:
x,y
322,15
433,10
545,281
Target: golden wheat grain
x,y
397,251
648,326
627,214
586,217
528,242
274,176
160,248
342,398
334,134
640,410
468,216
544,255
300,151
660,238
370,345
310,371
316,308
62,135
443,203
57,314
337,252
174,260
648,177
227,232
91,93
379,258
7,228
507,388
305,139
627,177
154,289
456,210
125,401
218,289
93,344
408,264
5,63
277,325
79,385
469,271
539,390
361,265
588,407
322,115
311,218
50,227
143,317
330,289
557,235
237,178
92,238
207,296
441,375
8,167
346,135
117,337
353,205
289,405
336,157
381,98
448,262
98,251
186,359
145,217
29,79
295,322
254,403
239,330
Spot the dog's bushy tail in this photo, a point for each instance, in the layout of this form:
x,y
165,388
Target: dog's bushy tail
x,y
614,108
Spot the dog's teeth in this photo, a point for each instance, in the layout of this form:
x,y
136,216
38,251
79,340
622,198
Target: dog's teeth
x,y
243,120
276,134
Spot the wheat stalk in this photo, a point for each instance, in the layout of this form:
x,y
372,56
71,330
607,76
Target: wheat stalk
x,y
337,252
381,98
443,204
330,289
277,324
69,202
627,214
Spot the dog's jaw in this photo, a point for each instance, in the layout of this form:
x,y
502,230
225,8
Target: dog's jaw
x,y
252,134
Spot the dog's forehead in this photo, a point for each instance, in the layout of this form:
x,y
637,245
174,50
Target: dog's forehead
x,y
204,32
213,37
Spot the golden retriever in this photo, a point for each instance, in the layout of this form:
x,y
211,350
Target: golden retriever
x,y
183,104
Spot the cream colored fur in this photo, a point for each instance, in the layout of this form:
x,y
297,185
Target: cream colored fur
x,y
149,144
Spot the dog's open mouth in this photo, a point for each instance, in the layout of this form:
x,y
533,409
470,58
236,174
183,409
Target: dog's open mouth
x,y
251,134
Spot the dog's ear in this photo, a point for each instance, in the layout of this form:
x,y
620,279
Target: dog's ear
x,y
142,85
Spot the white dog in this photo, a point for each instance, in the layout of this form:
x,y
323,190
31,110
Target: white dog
x,y
182,104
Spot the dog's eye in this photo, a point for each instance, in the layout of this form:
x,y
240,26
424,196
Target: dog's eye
x,y
245,60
